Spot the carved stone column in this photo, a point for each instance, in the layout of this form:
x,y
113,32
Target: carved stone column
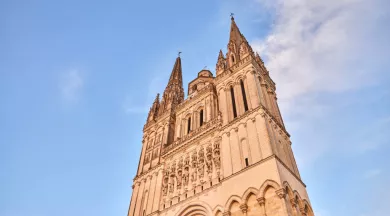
x,y
294,207
226,213
261,202
303,211
282,195
244,209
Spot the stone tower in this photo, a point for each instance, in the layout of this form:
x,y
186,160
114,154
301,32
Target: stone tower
x,y
224,150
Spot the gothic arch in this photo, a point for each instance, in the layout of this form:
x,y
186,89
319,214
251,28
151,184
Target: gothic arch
x,y
268,183
196,208
249,71
307,205
218,209
288,189
298,199
199,107
233,198
248,193
229,84
222,88
239,77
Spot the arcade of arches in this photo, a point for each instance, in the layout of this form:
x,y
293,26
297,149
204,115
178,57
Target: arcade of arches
x,y
268,200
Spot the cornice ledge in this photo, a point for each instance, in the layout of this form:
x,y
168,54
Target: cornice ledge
x,y
181,144
241,117
233,69
147,172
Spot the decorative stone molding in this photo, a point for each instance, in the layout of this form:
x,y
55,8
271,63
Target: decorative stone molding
x,y
281,193
293,202
226,213
244,208
261,201
303,211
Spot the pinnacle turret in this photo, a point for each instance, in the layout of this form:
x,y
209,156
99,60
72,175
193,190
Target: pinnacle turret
x,y
221,63
174,92
238,46
154,109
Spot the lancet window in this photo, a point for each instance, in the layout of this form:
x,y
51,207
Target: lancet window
x,y
201,118
233,102
244,95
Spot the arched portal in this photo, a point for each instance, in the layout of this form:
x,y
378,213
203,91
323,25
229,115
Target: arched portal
x,y
194,210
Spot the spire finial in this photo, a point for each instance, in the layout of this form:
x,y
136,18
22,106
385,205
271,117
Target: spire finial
x,y
232,16
178,54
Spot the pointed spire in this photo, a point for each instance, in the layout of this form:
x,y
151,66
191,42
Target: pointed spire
x,y
176,75
221,63
220,56
157,99
174,92
238,46
154,109
235,34
235,40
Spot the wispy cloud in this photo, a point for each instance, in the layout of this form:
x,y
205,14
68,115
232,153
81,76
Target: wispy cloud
x,y
71,84
324,46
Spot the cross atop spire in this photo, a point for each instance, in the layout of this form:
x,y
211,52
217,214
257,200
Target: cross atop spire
x,y
235,33
176,75
232,16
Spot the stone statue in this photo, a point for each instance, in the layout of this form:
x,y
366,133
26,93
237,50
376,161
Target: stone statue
x,y
178,179
165,182
186,174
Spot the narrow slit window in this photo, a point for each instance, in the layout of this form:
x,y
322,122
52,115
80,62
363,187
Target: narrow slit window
x,y
244,95
246,162
188,125
233,102
201,117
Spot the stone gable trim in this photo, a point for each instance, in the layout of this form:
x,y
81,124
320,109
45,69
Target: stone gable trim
x,y
179,144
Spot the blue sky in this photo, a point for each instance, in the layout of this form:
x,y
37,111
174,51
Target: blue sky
x,y
77,79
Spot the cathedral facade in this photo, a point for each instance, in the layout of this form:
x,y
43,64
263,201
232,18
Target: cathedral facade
x,y
223,150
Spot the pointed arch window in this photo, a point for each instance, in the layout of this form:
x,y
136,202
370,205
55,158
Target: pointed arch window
x,y
188,125
233,102
201,117
232,58
244,95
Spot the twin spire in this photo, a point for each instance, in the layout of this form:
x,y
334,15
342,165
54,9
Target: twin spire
x,y
238,48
